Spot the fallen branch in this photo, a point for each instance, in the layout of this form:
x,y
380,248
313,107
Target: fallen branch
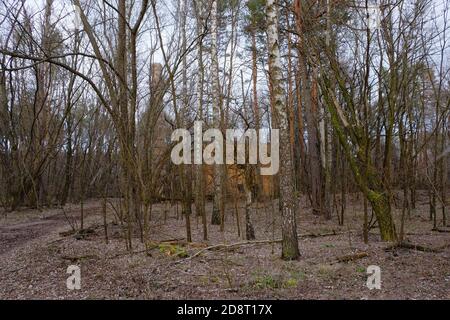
x,y
441,230
127,253
174,241
228,246
150,246
80,234
351,257
318,235
55,241
411,246
75,259
244,243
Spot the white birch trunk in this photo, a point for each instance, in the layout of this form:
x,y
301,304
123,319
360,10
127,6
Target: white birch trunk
x,y
216,219
288,202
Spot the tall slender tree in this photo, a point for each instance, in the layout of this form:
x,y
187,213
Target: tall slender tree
x,y
288,202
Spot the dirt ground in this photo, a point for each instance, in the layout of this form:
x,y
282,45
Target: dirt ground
x,y
36,249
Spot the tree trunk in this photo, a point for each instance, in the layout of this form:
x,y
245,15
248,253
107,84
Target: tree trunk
x,y
288,202
217,205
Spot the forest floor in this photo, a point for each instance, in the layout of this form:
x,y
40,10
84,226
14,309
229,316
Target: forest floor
x,y
37,247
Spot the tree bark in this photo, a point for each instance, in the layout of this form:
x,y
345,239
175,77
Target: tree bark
x,y
288,202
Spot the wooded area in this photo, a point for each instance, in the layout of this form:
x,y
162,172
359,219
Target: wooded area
x,y
91,92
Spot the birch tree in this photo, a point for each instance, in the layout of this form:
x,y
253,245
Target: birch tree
x,y
288,201
218,208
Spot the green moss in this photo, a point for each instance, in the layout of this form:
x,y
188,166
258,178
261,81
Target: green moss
x,y
298,275
289,253
290,283
173,250
360,269
374,196
267,281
